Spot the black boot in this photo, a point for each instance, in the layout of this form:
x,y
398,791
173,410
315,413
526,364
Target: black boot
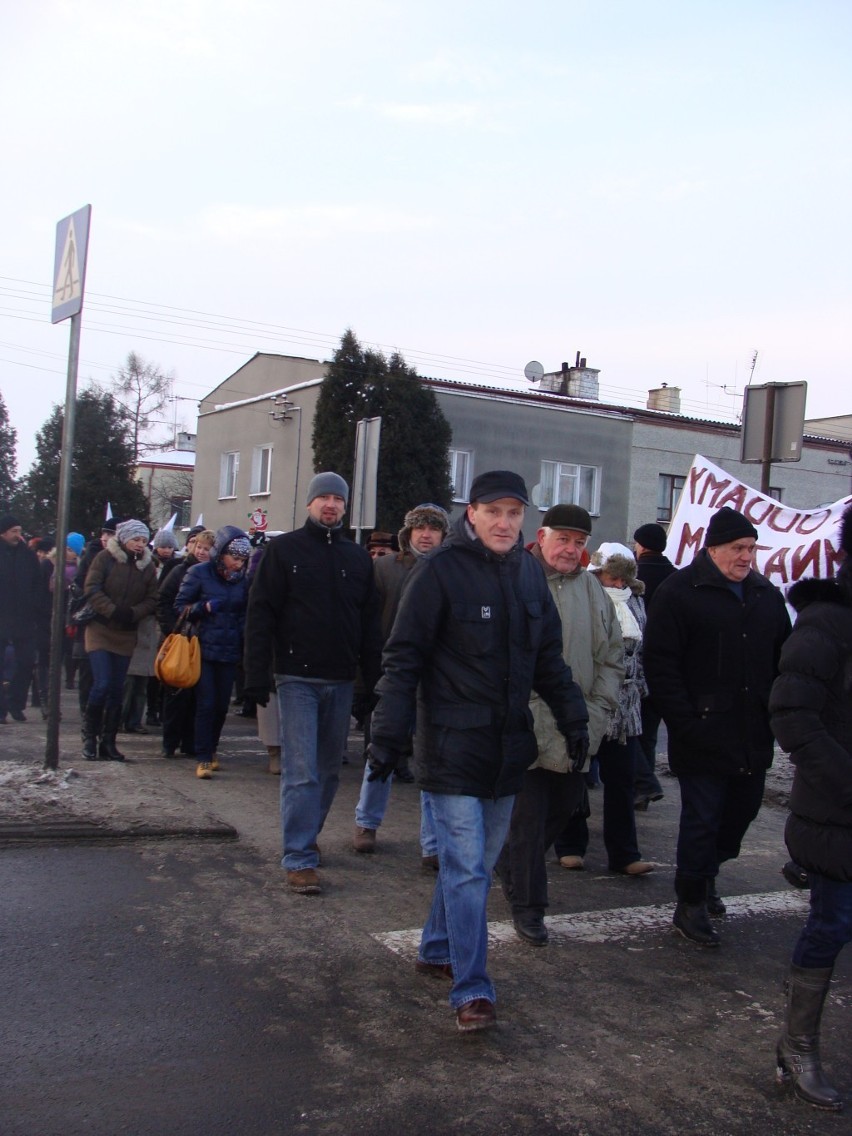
x,y
107,750
798,1047
715,904
690,917
92,719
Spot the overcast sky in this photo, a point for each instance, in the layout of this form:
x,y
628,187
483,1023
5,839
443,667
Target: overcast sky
x,y
663,186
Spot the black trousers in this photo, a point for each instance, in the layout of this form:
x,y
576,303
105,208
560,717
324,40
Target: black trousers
x,y
546,803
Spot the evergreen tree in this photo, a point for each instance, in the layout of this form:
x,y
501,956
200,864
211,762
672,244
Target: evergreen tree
x,y
415,437
8,458
103,468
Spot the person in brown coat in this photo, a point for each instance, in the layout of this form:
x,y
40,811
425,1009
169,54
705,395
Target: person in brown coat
x,y
121,589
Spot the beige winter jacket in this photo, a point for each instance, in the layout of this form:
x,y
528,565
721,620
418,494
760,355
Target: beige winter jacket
x,y
593,648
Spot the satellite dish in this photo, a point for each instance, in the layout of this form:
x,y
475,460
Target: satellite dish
x,y
534,371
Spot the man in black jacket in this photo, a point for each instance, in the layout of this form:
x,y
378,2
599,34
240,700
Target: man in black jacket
x,y
22,594
476,631
313,617
712,645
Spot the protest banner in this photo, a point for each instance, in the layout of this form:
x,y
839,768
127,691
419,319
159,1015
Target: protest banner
x,y
791,543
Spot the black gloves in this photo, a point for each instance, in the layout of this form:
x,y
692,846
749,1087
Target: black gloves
x,y
382,761
123,615
258,694
577,746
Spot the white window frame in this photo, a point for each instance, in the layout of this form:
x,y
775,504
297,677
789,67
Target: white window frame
x,y
568,483
261,478
229,468
461,473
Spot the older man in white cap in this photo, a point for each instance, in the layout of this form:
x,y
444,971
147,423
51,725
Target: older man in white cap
x,y
313,618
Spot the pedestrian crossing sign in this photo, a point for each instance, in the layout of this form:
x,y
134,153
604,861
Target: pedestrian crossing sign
x,y
69,273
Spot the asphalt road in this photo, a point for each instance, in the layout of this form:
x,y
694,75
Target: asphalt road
x,y
177,987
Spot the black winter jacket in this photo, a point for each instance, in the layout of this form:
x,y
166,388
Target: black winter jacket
x,y
313,610
475,632
710,661
23,590
811,707
167,590
652,568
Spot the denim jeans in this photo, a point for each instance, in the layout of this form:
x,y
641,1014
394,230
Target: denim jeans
x,y
470,832
715,813
373,801
108,674
314,728
212,698
428,839
829,925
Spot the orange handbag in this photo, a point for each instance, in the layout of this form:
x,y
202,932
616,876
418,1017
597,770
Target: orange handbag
x,y
178,661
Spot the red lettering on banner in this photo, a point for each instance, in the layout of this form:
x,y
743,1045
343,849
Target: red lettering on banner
x,y
804,557
695,476
834,557
772,518
735,498
748,510
776,565
689,539
716,487
816,519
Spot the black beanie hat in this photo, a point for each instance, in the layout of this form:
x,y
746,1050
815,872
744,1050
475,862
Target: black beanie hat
x,y
7,521
651,536
727,525
573,517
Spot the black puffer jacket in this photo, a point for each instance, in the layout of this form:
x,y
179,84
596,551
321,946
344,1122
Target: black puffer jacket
x,y
710,661
811,707
313,610
477,631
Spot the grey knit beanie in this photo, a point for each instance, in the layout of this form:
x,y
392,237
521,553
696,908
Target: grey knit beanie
x,y
324,483
127,530
164,538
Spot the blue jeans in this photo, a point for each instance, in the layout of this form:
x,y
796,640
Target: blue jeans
x,y
314,728
829,925
108,674
212,697
428,839
373,801
470,833
715,813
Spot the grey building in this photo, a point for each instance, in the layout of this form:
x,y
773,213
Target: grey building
x,y
625,465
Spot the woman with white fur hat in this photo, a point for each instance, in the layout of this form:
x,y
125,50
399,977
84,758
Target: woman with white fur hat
x,y
614,565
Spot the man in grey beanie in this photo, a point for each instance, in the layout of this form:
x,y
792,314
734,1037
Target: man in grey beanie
x,y
712,646
313,619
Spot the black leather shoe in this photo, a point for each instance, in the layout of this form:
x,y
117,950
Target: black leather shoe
x,y
715,906
18,715
690,920
530,926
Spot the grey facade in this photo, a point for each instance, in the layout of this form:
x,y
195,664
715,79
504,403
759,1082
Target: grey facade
x,y
617,460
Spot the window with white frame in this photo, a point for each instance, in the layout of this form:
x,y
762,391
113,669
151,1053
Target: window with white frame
x,y
669,486
229,465
461,467
261,469
563,483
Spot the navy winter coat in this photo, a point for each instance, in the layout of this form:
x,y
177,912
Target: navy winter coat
x,y
710,661
811,707
220,630
475,632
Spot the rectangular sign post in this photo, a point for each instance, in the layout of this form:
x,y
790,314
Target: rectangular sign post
x,y
362,514
773,425
69,279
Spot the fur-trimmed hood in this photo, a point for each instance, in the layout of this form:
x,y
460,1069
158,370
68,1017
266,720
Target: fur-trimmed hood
x,y
119,553
836,591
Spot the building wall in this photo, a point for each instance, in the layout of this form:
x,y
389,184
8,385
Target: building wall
x,y
241,428
506,433
261,375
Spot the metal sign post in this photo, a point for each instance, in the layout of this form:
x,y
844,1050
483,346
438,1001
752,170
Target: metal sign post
x,y
69,278
773,426
362,514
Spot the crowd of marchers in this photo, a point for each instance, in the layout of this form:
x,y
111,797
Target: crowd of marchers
x,y
507,679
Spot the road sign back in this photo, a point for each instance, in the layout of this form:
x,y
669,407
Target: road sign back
x,y
69,273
